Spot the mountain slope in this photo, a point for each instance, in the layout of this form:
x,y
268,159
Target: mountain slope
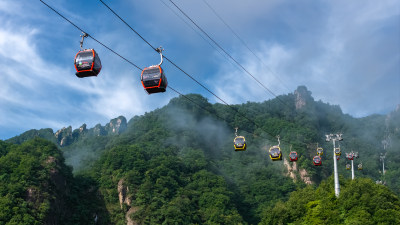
x,y
180,158
36,187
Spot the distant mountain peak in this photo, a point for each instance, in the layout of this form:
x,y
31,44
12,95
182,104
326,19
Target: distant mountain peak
x,y
302,97
66,136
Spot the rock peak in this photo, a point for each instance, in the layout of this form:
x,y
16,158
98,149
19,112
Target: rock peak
x,y
302,97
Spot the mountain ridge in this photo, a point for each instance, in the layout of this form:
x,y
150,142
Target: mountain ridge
x,y
170,158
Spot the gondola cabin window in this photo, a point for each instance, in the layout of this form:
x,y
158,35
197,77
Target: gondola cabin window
x,y
154,80
84,60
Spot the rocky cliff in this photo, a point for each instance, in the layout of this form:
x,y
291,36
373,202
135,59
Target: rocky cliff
x,y
66,136
302,97
125,199
292,170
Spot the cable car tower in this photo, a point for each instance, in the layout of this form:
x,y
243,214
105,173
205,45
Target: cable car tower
x,y
334,138
383,155
382,158
351,156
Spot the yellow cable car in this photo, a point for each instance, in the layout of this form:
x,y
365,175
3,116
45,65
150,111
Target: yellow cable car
x,y
320,151
360,166
239,143
275,153
338,152
348,166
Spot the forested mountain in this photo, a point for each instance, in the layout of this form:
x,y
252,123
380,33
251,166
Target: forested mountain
x,y
176,165
361,201
36,187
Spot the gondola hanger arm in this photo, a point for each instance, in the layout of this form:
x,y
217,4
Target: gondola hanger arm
x,y
83,35
160,50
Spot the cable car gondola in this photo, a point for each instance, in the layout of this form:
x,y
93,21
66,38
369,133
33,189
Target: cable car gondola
x,y
87,61
239,142
338,152
350,156
275,151
360,166
153,77
317,160
337,157
320,151
348,166
293,156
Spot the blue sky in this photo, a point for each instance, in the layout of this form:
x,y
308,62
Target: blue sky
x,y
347,53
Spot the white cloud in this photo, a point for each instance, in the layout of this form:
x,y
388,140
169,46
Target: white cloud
x,y
349,59
236,86
36,93
344,52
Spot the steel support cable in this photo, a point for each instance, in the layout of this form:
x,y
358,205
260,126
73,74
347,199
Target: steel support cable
x,y
130,61
205,109
198,33
62,16
187,74
219,46
243,42
73,24
141,69
165,57
230,106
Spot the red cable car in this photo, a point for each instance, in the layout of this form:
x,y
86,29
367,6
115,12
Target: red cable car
x,y
350,156
293,156
153,78
317,160
87,62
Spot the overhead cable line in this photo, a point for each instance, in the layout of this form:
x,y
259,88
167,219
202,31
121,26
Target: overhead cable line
x,y
219,46
73,24
165,57
179,68
241,114
62,16
202,107
243,42
121,55
187,74
198,33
